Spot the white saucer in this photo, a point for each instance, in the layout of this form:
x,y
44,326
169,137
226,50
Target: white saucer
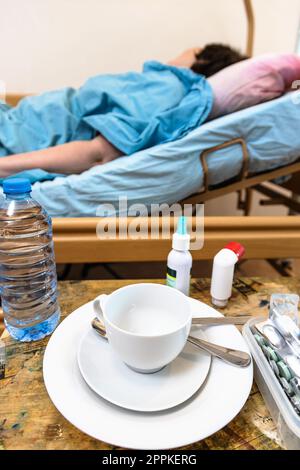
x,y
110,378
218,402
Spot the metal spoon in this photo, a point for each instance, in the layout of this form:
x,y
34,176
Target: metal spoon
x,y
231,356
207,321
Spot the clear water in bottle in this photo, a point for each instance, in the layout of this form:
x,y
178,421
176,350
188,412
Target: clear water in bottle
x,y
28,282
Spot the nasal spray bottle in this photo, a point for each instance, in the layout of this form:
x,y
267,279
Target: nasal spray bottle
x,y
180,259
223,270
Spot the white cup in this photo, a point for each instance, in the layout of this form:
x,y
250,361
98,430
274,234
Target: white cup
x,y
147,325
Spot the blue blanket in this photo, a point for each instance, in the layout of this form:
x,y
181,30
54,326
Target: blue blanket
x,y
133,111
169,173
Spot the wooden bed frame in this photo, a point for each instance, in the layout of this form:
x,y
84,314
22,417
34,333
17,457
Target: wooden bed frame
x,y
265,238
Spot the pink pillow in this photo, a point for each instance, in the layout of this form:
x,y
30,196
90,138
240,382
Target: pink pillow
x,y
253,81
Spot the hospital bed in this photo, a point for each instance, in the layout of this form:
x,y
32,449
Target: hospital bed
x,y
239,152
236,152
223,156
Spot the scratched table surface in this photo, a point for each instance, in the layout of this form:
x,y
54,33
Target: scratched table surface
x,y
29,420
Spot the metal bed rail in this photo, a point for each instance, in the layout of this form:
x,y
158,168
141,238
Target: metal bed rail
x,y
244,181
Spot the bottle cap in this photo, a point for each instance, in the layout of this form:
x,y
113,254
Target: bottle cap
x,y
16,186
237,248
219,303
181,239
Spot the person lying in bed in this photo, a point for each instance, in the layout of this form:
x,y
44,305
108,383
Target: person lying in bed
x,y
69,131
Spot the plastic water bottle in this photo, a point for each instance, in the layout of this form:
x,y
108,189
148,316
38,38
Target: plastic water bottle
x,y
28,282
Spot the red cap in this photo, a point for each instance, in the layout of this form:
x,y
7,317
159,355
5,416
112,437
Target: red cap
x,y
237,248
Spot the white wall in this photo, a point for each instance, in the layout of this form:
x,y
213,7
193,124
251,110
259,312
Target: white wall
x,y
47,44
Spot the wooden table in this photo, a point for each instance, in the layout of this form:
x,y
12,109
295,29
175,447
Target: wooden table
x,y
29,420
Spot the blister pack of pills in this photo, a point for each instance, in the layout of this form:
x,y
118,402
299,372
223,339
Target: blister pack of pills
x,y
279,340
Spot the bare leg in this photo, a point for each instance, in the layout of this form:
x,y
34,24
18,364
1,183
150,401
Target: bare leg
x,y
73,157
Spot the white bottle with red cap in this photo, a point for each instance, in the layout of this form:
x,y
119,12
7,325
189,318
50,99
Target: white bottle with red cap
x,y
222,274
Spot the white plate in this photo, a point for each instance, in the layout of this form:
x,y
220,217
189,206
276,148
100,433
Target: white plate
x,y
108,376
219,401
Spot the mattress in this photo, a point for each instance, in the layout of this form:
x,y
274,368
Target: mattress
x,y
171,172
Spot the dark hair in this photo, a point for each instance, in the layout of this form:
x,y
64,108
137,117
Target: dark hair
x,y
215,57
